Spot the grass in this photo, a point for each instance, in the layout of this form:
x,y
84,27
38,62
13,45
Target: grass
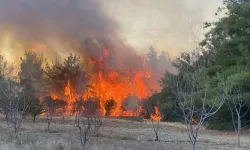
x,y
115,134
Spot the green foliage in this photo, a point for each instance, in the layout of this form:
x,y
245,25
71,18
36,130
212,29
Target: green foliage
x,y
32,80
228,39
36,107
222,120
31,72
227,43
59,73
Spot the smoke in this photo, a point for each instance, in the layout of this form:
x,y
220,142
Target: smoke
x,y
36,20
169,25
61,26
58,27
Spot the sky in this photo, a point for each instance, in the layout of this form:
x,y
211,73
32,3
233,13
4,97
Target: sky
x,y
168,25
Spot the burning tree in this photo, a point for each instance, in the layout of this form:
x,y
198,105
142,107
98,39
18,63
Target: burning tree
x,y
60,73
110,106
63,79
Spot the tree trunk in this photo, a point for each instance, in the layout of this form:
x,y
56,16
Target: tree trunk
x,y
63,119
34,118
48,125
238,141
156,137
7,118
238,132
15,128
193,145
80,134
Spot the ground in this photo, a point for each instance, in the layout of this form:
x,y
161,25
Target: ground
x,y
115,134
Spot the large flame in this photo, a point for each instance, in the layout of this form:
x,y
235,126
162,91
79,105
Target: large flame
x,y
117,85
111,84
72,97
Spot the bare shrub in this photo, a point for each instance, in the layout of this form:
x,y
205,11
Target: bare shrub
x,y
50,106
15,103
194,97
86,118
236,105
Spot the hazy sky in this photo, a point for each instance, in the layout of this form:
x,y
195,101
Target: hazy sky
x,y
169,25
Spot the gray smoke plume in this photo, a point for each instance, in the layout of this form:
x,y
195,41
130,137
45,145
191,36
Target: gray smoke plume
x,y
36,19
69,25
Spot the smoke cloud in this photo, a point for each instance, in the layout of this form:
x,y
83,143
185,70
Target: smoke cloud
x,y
61,26
169,25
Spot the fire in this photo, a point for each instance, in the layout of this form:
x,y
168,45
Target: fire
x,y
141,87
117,84
67,90
53,96
127,113
156,116
139,111
106,83
71,97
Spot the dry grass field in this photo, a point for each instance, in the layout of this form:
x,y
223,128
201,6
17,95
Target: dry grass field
x,y
115,134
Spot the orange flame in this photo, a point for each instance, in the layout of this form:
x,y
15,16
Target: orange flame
x,y
111,84
53,96
115,84
67,90
139,111
71,97
156,116
128,113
